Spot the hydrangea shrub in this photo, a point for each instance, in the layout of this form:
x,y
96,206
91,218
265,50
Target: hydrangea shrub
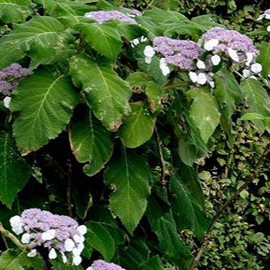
x,y
110,112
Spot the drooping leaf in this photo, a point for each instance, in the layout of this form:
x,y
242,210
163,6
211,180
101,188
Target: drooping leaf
x,y
42,38
204,112
43,104
91,143
14,171
138,126
104,38
128,177
188,214
14,11
100,239
106,93
257,99
18,260
263,58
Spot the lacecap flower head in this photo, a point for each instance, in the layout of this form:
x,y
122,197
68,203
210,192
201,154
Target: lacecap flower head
x,y
60,234
102,265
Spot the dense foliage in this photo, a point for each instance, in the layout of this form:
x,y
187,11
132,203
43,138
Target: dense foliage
x,y
151,129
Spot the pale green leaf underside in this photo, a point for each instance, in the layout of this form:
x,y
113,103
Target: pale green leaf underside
x,y
128,178
204,112
13,11
100,239
138,126
91,143
106,93
42,38
14,171
43,105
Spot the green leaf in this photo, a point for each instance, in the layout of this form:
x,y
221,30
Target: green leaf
x,y
91,143
14,11
130,188
42,38
100,239
14,171
106,93
204,112
18,260
59,265
138,126
154,95
43,104
252,116
153,263
187,212
263,58
104,38
257,99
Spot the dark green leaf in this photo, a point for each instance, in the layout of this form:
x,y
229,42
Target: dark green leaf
x,y
264,57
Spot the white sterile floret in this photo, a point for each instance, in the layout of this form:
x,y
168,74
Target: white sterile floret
x,y
48,235
249,58
246,73
164,67
89,268
210,44
233,54
268,28
143,39
260,17
267,16
256,68
215,59
202,79
134,42
64,257
32,253
16,224
193,76
26,237
200,64
82,229
76,252
52,254
149,51
212,84
76,260
6,101
69,244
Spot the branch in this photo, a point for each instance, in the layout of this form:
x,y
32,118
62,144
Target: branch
x,y
205,240
12,237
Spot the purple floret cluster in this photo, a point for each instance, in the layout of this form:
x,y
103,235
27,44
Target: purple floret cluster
x,y
60,234
181,53
102,265
104,16
10,77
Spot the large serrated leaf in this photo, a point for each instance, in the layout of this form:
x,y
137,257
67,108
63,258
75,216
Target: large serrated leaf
x,y
106,93
18,260
13,11
14,171
100,239
263,58
43,105
204,112
187,212
91,143
42,38
257,99
105,39
138,126
128,177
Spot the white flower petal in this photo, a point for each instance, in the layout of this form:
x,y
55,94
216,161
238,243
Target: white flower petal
x,y
26,237
82,229
210,44
52,254
69,244
76,260
256,68
149,51
233,54
143,39
212,84
164,69
148,60
249,58
193,76
89,268
48,235
215,59
64,258
267,16
200,64
6,101
202,79
32,253
260,17
268,28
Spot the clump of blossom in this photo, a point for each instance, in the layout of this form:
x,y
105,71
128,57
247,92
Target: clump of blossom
x,y
10,77
104,16
102,265
60,234
265,15
137,41
180,53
